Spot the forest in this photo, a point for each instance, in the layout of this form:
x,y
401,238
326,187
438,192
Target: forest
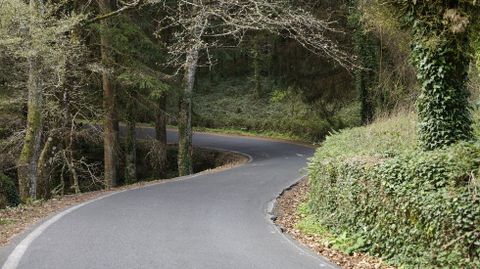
x,y
387,91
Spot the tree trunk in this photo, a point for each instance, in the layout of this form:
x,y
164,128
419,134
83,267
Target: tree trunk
x,y
69,158
131,142
442,69
71,168
257,68
161,134
185,147
110,117
365,47
28,161
44,167
443,106
366,78
66,123
68,120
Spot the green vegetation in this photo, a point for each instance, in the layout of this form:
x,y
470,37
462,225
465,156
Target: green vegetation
x,y
310,226
8,192
404,188
5,221
233,106
414,208
439,53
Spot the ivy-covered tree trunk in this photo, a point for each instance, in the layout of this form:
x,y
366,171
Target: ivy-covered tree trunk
x,y
366,77
443,106
161,134
131,142
110,117
440,54
366,48
185,147
28,161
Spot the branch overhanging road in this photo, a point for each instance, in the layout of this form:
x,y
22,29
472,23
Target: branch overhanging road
x,y
218,220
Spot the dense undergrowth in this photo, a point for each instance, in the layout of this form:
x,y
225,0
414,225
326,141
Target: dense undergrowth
x,y
8,192
233,105
374,190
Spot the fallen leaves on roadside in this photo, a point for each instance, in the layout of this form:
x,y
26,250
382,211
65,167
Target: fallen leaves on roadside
x,y
287,218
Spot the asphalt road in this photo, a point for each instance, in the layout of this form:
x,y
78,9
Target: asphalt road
x,y
209,221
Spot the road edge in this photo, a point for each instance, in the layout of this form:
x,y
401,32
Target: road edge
x,y
304,250
28,236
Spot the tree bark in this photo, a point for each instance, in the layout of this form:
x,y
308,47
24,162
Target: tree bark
x,y
110,117
69,158
185,147
28,161
257,68
161,134
44,167
131,142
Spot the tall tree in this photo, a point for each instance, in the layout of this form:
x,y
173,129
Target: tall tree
x,y
139,57
28,161
109,95
441,55
257,77
161,133
131,139
366,48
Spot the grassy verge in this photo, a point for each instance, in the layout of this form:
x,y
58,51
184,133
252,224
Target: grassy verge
x,y
309,225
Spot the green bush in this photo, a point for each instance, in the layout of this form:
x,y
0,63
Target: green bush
x,y
414,208
8,192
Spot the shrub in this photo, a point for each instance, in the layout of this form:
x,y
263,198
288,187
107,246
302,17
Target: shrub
x,y
414,208
8,192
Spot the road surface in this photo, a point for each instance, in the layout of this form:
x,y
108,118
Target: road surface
x,y
208,221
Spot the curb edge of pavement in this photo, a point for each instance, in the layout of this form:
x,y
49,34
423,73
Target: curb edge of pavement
x,y
304,250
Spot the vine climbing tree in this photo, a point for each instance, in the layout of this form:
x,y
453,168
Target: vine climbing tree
x,y
366,48
440,52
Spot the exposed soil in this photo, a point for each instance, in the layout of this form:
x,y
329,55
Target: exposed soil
x,y
16,220
287,218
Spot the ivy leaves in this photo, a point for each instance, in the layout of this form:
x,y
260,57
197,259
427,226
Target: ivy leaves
x,y
419,209
440,53
443,106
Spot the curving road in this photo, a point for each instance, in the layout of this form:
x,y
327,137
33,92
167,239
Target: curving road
x,y
209,221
